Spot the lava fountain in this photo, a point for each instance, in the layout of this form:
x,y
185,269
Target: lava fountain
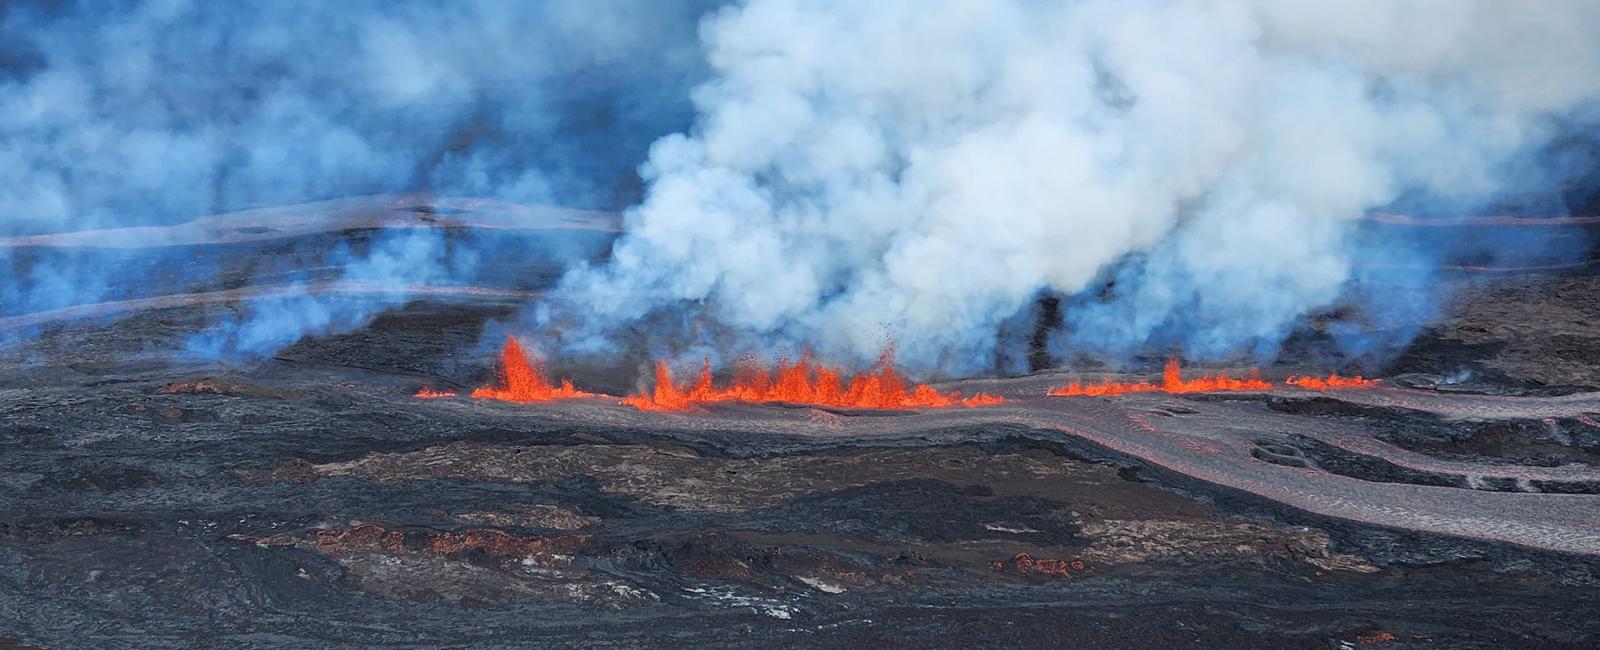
x,y
802,382
521,380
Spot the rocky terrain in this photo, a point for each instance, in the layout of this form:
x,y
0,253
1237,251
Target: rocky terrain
x,y
152,497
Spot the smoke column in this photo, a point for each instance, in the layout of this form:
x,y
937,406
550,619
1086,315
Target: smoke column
x,y
1185,173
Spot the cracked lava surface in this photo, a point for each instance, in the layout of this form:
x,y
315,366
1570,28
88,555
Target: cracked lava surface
x,y
311,500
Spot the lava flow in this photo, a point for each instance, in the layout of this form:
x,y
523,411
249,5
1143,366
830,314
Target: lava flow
x,y
523,381
803,382
1333,380
1172,381
431,393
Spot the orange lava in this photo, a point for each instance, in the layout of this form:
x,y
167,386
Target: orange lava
x,y
520,380
1333,380
429,393
802,382
1107,389
1172,381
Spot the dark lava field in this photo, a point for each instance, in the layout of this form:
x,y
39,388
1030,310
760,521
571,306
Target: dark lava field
x,y
153,497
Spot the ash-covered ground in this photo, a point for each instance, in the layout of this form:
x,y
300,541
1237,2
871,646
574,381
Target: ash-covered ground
x,y
150,497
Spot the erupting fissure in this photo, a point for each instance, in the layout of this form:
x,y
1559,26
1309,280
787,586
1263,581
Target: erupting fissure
x,y
1333,380
521,380
518,379
1172,381
802,382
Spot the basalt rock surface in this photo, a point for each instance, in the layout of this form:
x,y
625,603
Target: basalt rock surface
x,y
152,499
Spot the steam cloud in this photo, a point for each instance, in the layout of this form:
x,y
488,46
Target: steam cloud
x,y
1181,174
922,171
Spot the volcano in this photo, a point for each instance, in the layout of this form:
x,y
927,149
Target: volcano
x,y
799,323
158,494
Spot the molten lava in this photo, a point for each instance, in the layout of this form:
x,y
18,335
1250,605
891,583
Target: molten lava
x,y
802,382
429,393
520,380
1172,381
1333,380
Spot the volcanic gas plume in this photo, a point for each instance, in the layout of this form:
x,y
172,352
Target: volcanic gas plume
x,y
1184,175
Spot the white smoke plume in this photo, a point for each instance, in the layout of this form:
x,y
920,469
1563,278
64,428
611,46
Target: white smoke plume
x,y
922,170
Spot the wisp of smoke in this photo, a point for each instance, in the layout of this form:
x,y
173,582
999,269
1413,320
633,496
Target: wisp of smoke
x,y
1188,174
